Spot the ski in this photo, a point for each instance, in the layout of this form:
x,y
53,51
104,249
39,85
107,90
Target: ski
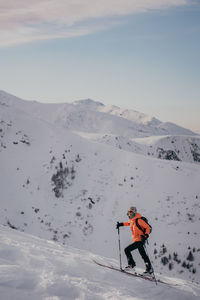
x,y
142,276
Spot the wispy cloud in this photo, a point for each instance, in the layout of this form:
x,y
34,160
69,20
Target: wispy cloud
x,y
23,21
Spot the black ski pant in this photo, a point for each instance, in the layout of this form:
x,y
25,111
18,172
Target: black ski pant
x,y
141,249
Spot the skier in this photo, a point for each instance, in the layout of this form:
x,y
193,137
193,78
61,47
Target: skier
x,y
139,238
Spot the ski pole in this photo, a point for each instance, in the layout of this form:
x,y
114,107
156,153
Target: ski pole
x,y
120,257
151,264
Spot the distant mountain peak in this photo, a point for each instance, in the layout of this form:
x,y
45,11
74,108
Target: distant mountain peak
x,y
5,94
88,102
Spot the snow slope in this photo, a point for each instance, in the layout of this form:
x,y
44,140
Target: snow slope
x,y
72,188
171,147
33,268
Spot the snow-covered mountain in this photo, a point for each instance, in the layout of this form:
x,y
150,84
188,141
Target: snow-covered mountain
x,y
94,117
70,171
125,129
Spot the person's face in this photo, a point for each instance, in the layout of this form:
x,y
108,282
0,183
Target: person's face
x,y
130,214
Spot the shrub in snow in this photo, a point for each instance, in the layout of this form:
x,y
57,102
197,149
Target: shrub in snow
x,y
167,154
78,159
163,250
194,271
171,266
87,229
164,260
195,150
62,179
190,256
11,225
184,265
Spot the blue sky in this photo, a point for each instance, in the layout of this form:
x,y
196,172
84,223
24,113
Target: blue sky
x,y
144,57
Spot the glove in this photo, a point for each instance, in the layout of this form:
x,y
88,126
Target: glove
x,y
144,238
119,224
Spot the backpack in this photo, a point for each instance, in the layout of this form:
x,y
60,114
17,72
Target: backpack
x,y
146,221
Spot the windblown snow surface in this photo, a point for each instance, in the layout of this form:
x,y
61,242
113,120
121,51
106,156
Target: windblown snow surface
x,y
68,173
33,268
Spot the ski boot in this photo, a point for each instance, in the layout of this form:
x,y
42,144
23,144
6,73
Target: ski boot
x,y
130,268
149,270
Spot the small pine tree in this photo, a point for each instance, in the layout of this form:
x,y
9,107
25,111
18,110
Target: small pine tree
x,y
164,260
194,271
163,249
184,265
190,256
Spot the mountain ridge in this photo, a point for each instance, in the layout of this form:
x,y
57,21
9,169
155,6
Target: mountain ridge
x,y
91,105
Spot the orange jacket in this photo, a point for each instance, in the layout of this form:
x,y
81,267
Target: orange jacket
x,y
136,232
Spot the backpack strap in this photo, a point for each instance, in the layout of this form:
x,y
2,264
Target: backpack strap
x,y
138,225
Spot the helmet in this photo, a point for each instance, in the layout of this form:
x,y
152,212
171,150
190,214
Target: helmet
x,y
132,209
